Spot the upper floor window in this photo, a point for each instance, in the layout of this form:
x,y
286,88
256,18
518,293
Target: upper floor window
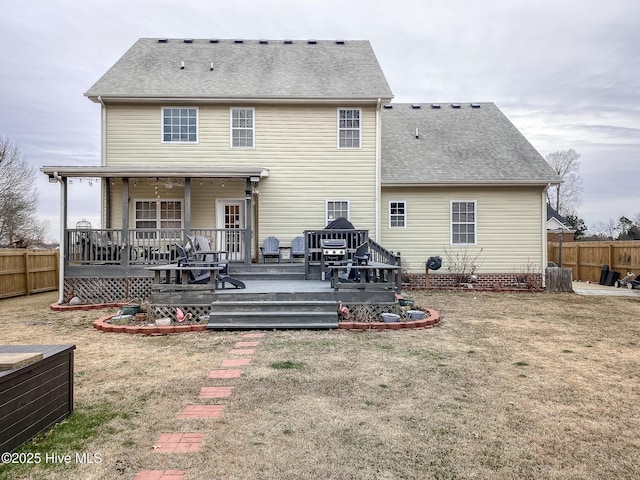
x,y
349,127
463,223
397,214
242,127
179,125
337,209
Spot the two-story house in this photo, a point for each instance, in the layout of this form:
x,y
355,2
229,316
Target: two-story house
x,y
240,140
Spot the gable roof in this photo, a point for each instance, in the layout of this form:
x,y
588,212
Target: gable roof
x,y
556,221
244,69
457,144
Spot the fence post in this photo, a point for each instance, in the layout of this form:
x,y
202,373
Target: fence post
x,y
27,273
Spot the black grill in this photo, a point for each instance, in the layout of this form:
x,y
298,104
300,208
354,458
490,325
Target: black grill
x,y
335,247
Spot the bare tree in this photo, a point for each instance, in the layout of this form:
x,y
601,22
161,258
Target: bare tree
x,y
603,230
567,196
18,197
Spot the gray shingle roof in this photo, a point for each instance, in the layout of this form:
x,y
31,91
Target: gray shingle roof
x,y
462,145
251,69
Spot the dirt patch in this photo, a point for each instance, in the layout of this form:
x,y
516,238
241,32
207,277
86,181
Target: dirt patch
x,y
508,386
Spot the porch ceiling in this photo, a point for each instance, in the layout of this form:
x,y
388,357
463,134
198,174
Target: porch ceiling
x,y
153,172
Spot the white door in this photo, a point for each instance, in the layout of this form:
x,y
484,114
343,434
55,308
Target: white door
x,y
230,217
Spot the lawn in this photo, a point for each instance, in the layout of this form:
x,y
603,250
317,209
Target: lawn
x,y
509,386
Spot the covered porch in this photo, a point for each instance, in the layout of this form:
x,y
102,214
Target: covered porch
x,y
144,211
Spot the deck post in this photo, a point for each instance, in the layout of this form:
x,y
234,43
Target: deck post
x,y
124,258
248,195
187,205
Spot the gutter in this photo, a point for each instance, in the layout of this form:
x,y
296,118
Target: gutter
x,y
63,252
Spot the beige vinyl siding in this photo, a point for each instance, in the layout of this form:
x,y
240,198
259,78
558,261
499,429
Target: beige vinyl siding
x,y
509,230
204,194
297,144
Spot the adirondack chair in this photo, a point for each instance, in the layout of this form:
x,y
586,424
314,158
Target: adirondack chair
x,y
271,249
297,248
102,248
361,257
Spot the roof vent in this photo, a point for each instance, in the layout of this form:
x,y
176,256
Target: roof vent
x,y
415,106
182,65
213,40
455,105
388,107
188,40
312,42
339,42
238,41
417,133
288,42
264,42
163,40
475,105
211,67
435,106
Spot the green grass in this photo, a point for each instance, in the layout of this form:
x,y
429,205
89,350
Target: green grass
x,y
67,437
287,365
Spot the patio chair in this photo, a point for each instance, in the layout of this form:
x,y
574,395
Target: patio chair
x,y
187,255
102,248
271,249
361,257
297,248
199,250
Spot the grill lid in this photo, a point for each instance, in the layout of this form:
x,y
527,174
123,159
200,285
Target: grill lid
x,y
333,243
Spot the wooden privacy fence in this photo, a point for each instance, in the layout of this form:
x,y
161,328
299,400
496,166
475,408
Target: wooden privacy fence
x,y
23,272
587,258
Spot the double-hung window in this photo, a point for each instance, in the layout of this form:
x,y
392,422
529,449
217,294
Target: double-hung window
x,y
397,214
179,125
151,215
337,209
242,127
463,223
349,127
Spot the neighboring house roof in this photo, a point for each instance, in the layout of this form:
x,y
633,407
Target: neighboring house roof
x,y
244,70
457,144
555,221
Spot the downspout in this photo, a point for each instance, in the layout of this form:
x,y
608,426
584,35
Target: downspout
x,y
543,266
105,213
378,157
103,131
63,237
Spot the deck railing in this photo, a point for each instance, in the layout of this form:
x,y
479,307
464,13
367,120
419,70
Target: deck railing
x,y
354,238
146,246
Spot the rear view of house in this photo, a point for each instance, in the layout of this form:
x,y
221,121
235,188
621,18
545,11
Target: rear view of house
x,y
241,140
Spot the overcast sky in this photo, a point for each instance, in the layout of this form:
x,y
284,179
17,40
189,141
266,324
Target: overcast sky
x,y
566,72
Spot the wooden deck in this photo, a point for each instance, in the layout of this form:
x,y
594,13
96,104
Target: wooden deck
x,y
35,396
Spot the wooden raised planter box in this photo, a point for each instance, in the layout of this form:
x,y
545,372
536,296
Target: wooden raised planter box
x,y
36,390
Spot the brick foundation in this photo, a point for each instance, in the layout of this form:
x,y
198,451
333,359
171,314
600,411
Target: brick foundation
x,y
485,281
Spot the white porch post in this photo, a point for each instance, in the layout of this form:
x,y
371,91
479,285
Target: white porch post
x,y
64,241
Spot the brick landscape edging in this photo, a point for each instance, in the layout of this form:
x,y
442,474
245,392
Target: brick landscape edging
x,y
431,321
103,325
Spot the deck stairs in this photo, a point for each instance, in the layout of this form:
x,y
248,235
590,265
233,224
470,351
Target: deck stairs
x,y
278,297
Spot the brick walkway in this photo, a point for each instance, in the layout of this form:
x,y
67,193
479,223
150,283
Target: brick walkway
x,y
185,442
178,442
202,411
